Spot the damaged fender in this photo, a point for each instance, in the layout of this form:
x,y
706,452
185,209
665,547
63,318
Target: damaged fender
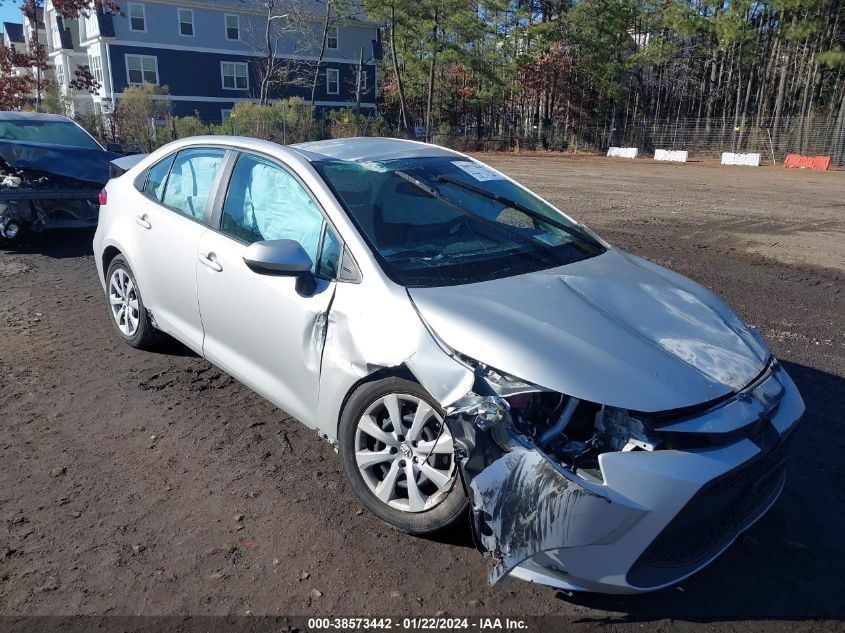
x,y
523,503
360,341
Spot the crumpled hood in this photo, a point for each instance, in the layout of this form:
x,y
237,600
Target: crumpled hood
x,y
80,163
613,329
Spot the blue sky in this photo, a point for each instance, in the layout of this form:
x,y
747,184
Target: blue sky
x,y
10,12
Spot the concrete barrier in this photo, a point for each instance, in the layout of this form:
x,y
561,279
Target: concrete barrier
x,y
799,161
749,160
622,152
675,156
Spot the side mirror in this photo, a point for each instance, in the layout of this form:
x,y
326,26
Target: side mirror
x,y
282,257
115,148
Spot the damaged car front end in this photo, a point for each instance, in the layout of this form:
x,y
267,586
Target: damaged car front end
x,y
623,427
586,497
51,174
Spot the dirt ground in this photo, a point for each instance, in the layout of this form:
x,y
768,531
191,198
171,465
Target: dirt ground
x,y
141,483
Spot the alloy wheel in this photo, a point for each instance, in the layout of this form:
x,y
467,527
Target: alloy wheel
x,y
404,453
124,302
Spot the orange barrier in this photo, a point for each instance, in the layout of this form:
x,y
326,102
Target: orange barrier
x,y
799,161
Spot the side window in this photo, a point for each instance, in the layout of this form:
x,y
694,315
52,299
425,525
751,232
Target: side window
x,y
191,179
329,255
265,202
157,178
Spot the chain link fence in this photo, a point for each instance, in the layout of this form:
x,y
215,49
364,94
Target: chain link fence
x,y
702,138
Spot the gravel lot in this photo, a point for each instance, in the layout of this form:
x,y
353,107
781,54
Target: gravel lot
x,y
138,483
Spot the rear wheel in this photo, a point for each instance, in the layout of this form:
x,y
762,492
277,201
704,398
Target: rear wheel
x,y
398,454
126,307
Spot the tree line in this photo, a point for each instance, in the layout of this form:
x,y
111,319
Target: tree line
x,y
553,69
559,72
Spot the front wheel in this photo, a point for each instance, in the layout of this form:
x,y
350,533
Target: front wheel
x,y
398,454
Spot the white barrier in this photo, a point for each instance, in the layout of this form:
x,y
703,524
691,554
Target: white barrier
x,y
621,152
749,160
675,156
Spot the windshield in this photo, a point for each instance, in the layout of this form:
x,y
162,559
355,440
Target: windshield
x,y
51,132
449,220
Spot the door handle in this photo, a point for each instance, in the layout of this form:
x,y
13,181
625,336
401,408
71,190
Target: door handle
x,y
210,260
141,220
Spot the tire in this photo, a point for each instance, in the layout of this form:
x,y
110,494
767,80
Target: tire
x,y
133,324
378,460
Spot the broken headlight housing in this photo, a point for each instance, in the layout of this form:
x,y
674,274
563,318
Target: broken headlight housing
x,y
570,431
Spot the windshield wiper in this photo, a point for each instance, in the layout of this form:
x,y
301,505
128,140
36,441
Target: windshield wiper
x,y
496,226
572,230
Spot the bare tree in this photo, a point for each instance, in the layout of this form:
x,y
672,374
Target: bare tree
x,y
273,69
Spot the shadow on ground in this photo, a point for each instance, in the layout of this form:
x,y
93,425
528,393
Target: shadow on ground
x,y
789,565
57,244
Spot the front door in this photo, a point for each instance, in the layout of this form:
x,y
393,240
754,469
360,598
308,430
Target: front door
x,y
259,327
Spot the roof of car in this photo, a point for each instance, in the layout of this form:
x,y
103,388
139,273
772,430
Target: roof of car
x,y
30,116
370,148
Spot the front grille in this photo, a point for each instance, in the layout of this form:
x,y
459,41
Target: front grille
x,y
714,517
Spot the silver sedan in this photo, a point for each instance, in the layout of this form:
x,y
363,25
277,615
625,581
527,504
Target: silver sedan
x,y
608,424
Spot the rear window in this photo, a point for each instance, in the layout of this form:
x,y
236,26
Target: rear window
x,y
50,132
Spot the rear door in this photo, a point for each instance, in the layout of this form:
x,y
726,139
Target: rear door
x,y
169,221
258,327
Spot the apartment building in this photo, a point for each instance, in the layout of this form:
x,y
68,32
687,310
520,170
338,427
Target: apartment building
x,y
208,54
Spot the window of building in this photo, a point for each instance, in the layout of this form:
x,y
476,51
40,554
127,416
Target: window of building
x,y
142,69
233,27
265,202
97,68
60,74
235,75
191,179
90,25
331,38
137,17
225,114
186,22
332,81
57,34
362,72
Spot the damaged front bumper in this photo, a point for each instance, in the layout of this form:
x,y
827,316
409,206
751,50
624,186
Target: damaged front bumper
x,y
42,210
45,186
649,518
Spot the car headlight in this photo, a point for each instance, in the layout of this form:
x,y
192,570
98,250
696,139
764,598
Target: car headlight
x,y
572,432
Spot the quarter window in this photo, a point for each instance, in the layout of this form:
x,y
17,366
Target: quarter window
x,y
235,76
186,22
142,69
265,202
329,255
331,38
157,178
332,81
137,17
233,27
190,181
